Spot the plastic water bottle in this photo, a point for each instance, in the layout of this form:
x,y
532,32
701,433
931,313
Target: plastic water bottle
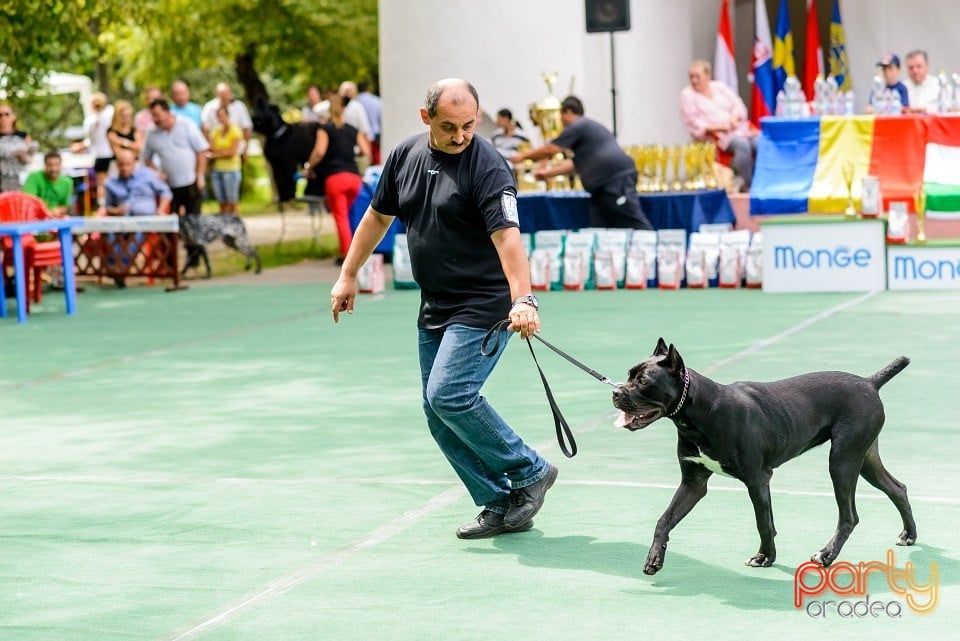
x,y
848,103
781,108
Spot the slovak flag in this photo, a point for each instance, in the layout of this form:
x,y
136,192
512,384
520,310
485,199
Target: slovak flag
x,y
763,98
724,64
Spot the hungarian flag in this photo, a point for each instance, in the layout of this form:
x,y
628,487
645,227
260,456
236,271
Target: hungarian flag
x,y
763,97
724,64
813,58
941,180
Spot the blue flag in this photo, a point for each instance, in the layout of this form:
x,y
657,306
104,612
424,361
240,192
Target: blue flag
x,y
839,64
783,66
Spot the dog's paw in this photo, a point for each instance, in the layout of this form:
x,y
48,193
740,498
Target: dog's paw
x,y
906,538
822,557
654,562
760,561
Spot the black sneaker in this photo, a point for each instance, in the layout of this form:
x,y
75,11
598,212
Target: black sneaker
x,y
525,502
120,282
487,524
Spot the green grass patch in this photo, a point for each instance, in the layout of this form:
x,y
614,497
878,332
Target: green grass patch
x,y
288,252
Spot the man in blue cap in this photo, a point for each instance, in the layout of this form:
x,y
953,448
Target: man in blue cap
x,y
890,66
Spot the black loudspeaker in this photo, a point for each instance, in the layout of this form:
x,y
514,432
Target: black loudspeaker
x,y
608,15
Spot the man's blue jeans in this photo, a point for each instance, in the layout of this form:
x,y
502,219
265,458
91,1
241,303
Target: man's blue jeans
x,y
489,457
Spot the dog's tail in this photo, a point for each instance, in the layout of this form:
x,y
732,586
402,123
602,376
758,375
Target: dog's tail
x,y
888,372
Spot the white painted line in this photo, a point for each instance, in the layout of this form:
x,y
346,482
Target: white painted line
x,y
406,482
776,338
327,562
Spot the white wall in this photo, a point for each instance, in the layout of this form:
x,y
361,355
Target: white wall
x,y
503,47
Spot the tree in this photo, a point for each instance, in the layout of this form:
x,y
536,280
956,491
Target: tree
x,y
270,45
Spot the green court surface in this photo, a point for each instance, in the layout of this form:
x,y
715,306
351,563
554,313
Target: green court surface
x,y
226,464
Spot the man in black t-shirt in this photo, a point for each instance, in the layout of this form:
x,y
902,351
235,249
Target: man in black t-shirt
x,y
606,171
457,197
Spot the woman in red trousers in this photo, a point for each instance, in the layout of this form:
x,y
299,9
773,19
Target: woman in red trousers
x,y
334,160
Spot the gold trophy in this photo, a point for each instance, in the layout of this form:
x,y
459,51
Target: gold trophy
x,y
546,113
663,158
709,158
920,200
848,172
676,153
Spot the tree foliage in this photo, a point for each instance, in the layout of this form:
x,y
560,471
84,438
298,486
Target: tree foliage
x,y
275,47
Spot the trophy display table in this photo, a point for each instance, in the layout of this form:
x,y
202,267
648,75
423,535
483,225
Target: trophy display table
x,y
801,163
666,210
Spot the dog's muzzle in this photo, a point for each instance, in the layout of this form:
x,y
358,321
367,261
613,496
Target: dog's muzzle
x,y
633,416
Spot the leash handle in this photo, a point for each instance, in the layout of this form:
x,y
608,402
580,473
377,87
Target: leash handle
x,y
564,434
559,422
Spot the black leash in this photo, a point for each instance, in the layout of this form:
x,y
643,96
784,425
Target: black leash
x,y
564,434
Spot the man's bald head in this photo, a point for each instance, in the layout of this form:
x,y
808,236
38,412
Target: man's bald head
x,y
454,90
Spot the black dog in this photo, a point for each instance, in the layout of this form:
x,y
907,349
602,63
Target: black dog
x,y
286,147
197,231
746,430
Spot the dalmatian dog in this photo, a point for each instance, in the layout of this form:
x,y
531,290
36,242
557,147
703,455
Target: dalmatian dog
x,y
198,231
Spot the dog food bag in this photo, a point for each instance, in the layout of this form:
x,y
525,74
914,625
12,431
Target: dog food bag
x,y
696,268
540,270
647,241
604,272
710,243
638,268
585,243
527,241
616,242
669,266
733,256
754,266
370,279
552,242
575,268
402,269
897,223
672,247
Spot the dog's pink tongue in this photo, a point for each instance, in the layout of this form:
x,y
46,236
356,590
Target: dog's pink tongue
x,y
623,419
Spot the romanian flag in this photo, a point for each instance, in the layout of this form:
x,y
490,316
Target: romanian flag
x,y
724,64
839,64
813,58
763,96
803,165
783,66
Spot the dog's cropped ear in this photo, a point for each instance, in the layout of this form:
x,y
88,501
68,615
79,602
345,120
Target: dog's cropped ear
x,y
661,347
674,361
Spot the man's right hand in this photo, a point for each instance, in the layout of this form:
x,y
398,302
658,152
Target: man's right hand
x,y
342,296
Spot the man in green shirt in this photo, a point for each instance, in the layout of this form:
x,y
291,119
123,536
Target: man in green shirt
x,y
50,186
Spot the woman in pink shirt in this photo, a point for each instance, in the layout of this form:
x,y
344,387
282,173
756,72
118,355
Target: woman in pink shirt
x,y
711,111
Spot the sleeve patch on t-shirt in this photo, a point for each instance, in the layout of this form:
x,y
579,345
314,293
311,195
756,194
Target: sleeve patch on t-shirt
x,y
508,202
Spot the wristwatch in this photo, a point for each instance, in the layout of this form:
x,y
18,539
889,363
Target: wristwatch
x,y
529,299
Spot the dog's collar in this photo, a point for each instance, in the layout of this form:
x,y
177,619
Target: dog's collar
x,y
683,395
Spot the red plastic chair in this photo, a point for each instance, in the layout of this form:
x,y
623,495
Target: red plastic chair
x,y
19,207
